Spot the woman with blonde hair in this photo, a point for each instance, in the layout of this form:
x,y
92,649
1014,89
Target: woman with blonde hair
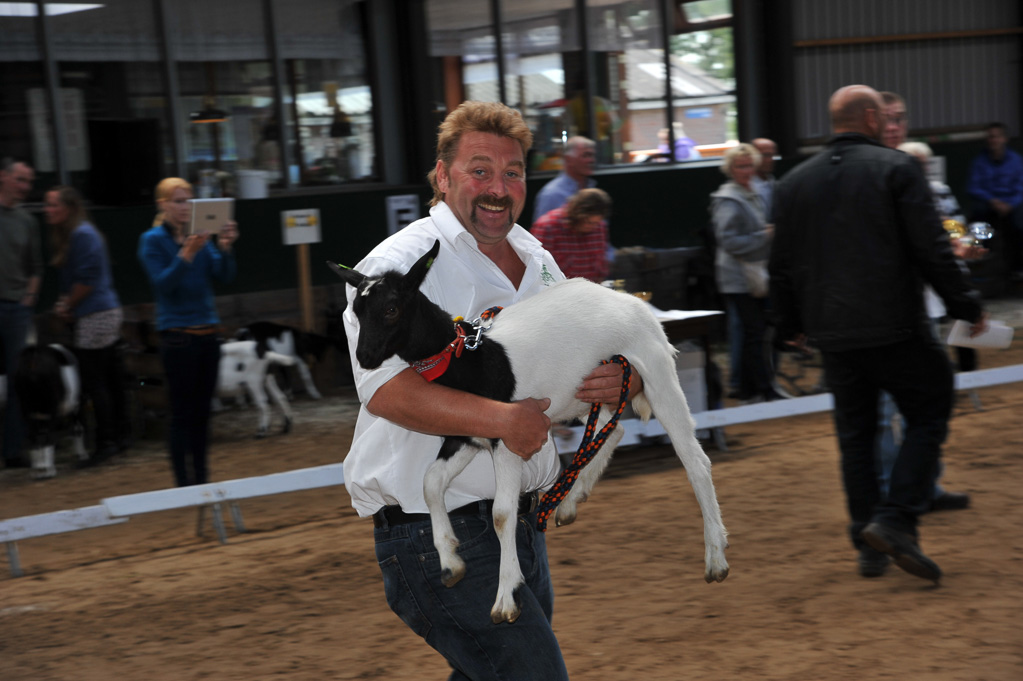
x,y
182,268
90,303
743,240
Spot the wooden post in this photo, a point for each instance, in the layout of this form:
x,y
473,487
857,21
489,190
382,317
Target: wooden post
x,y
305,289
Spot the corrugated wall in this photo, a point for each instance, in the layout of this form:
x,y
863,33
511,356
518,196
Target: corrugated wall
x,y
949,82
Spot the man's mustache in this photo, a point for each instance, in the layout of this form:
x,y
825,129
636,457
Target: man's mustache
x,y
501,202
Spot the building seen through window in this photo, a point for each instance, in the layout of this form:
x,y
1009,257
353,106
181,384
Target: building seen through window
x,y
609,82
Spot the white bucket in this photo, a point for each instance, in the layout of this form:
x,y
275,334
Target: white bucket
x,y
252,184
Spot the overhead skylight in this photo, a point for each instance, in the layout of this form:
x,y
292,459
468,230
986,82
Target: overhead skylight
x,y
30,9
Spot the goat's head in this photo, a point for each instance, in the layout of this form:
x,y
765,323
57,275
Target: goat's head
x,y
385,306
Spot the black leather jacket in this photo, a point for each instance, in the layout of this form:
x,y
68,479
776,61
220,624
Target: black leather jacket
x,y
856,237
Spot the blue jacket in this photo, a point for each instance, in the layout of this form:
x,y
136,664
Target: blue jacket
x,y
88,263
184,291
997,180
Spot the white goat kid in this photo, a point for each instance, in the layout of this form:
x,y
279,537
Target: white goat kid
x,y
517,360
243,368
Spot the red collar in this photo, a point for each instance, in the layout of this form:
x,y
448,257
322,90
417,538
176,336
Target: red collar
x,y
434,367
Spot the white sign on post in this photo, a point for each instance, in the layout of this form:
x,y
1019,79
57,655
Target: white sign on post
x,y
401,210
300,226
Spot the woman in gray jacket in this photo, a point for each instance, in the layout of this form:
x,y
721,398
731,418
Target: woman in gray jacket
x,y
743,244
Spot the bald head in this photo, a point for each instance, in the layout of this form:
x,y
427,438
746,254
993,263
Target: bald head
x,y
857,108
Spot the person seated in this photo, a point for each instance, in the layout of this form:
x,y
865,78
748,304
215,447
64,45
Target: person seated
x,y
580,161
996,187
576,234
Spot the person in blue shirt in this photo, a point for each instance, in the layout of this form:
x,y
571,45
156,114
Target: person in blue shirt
x,y
580,161
90,303
182,268
996,187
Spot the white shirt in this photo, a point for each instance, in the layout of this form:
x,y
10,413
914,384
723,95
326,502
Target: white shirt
x,y
387,463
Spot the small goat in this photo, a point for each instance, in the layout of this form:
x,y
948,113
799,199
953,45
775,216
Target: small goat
x,y
287,340
244,368
517,360
49,391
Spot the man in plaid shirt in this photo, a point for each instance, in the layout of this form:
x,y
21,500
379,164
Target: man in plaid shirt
x,y
576,234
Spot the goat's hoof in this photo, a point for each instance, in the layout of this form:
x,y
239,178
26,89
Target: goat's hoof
x,y
565,515
505,614
451,576
260,434
716,575
287,426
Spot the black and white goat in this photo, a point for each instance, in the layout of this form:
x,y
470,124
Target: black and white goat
x,y
287,340
517,360
244,368
48,387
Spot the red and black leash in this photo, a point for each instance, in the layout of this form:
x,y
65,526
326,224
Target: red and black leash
x,y
589,446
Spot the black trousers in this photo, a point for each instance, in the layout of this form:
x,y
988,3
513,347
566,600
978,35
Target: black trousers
x,y
103,383
918,375
191,363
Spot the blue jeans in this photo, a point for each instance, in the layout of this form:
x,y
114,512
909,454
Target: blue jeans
x,y
456,621
755,380
191,364
14,321
918,375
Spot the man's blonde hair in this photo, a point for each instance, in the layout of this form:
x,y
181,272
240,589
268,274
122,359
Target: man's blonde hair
x,y
489,117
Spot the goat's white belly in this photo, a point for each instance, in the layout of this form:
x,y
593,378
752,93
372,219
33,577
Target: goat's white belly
x,y
555,339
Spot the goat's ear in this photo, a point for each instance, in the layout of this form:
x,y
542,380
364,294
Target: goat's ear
x,y
414,278
349,276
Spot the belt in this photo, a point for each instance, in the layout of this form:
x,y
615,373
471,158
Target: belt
x,y
204,330
388,516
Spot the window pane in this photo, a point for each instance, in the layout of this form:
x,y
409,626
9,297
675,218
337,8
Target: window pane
x,y
543,68
329,101
226,86
25,126
114,109
464,32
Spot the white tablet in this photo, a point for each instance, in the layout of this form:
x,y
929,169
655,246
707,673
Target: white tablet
x,y
209,215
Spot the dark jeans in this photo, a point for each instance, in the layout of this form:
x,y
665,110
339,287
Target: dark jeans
x,y
752,312
191,363
102,374
918,375
456,621
14,321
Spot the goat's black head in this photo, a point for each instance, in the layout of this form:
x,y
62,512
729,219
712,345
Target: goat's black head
x,y
385,306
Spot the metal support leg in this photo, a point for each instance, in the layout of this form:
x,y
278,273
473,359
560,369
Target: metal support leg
x,y
218,524
236,516
719,439
12,558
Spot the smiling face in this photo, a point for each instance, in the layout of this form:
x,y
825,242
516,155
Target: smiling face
x,y
485,185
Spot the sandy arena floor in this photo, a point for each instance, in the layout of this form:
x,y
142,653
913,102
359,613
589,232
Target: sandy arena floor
x,y
300,597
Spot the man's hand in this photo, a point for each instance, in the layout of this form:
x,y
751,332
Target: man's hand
x,y
527,427
980,326
604,385
1001,207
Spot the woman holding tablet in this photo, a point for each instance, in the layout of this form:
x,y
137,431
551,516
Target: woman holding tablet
x,y
182,268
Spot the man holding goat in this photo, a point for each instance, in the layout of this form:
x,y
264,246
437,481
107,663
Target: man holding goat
x,y
485,260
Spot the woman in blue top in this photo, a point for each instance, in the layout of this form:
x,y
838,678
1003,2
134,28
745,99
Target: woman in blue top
x,y
88,301
182,268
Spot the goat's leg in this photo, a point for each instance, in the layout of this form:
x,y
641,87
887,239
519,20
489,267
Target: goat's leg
x,y
508,471
665,396
280,400
588,476
436,482
255,390
307,379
